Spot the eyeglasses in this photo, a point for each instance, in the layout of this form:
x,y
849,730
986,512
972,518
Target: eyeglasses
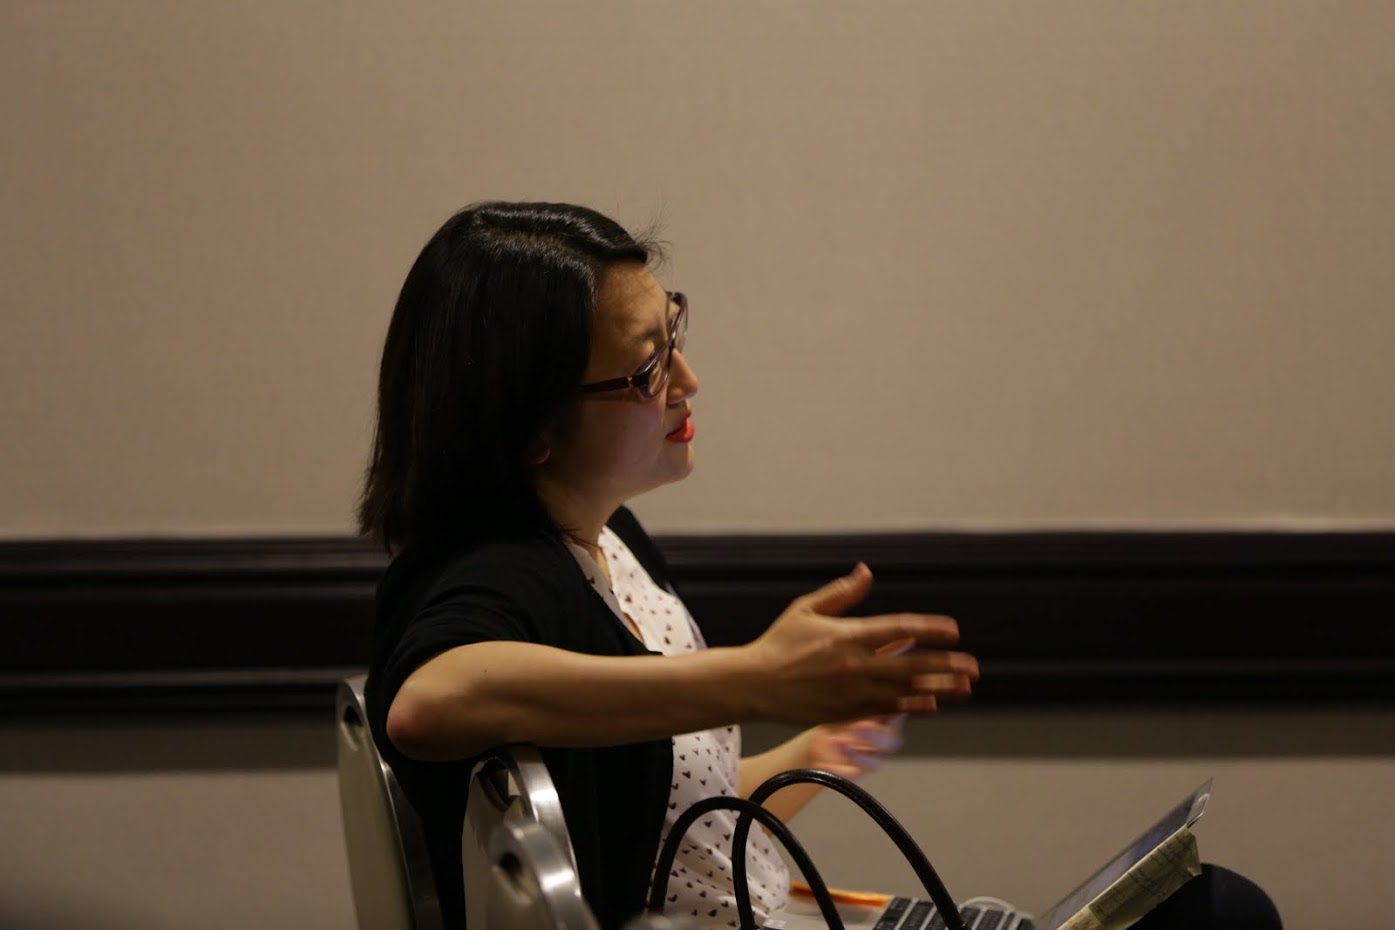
x,y
653,374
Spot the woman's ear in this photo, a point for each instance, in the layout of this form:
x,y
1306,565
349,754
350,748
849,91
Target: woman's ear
x,y
555,430
538,451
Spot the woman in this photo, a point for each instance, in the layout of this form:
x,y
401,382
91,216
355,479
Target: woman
x,y
533,380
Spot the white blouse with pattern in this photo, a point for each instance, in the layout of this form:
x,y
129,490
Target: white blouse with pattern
x,y
705,763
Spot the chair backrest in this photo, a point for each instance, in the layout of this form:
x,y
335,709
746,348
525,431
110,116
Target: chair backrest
x,y
389,868
511,786
532,883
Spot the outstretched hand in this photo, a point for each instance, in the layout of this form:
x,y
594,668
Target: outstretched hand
x,y
817,666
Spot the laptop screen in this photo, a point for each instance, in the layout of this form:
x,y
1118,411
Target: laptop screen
x,y
1180,816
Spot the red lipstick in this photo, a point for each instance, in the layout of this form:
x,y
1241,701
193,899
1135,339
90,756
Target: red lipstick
x,y
684,433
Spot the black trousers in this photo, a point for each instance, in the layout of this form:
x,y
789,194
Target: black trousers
x,y
1217,898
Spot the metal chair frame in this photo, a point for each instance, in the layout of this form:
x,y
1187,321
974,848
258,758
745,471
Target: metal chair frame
x,y
418,907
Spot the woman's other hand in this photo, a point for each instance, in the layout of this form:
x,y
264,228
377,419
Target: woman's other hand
x,y
816,666
847,749
854,749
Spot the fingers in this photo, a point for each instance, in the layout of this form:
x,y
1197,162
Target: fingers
x,y
865,762
888,633
897,647
840,593
922,692
943,685
906,691
910,683
871,665
907,667
918,704
873,736
862,747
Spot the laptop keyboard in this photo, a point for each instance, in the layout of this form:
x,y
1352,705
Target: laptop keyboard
x,y
893,915
905,914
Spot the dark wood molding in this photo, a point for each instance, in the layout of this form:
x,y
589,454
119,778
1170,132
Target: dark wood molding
x,y
1153,618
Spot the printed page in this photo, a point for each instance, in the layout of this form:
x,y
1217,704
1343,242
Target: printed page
x,y
1174,863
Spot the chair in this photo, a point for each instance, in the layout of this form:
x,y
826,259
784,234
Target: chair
x,y
519,865
532,882
508,788
389,868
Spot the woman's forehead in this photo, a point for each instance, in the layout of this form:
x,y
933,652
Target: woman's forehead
x,y
632,304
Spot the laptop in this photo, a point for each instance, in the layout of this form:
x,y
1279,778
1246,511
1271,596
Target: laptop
x,y
1150,868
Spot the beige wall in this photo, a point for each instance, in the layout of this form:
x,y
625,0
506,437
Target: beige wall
x,y
973,264
954,264
234,824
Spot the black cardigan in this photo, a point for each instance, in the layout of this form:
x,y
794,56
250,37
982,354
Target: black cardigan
x,y
528,588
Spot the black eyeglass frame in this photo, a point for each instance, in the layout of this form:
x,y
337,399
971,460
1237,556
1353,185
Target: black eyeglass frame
x,y
640,379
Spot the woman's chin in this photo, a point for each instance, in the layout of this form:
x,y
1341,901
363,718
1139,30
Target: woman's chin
x,y
679,464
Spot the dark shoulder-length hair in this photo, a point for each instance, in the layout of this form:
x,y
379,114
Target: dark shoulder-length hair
x,y
487,347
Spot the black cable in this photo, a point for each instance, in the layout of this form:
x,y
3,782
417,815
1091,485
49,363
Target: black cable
x,y
658,892
859,796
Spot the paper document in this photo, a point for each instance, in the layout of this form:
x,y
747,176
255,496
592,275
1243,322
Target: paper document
x,y
1147,884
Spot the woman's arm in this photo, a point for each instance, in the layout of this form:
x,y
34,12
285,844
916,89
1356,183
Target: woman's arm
x,y
809,667
474,697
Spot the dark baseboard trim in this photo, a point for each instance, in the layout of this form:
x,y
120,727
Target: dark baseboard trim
x,y
261,625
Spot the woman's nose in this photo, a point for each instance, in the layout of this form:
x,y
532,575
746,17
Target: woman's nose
x,y
682,380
